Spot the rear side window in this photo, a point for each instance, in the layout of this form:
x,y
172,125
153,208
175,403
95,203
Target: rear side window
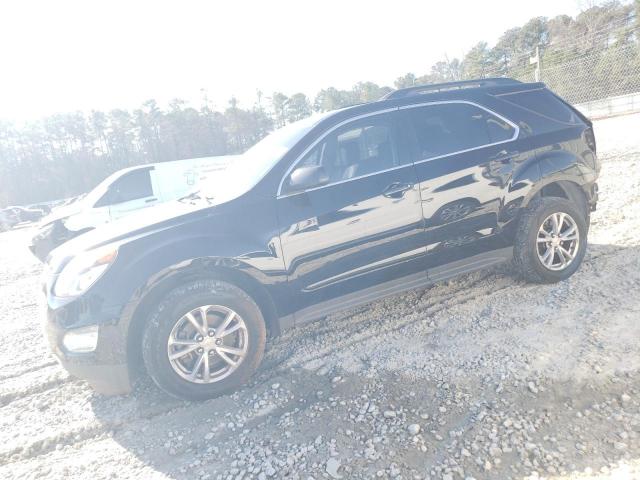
x,y
544,103
447,128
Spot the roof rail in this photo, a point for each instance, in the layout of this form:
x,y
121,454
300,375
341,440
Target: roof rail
x,y
439,87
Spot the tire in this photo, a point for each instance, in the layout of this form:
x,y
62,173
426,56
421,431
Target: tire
x,y
529,253
169,320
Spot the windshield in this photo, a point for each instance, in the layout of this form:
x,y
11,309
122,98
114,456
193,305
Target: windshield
x,y
249,168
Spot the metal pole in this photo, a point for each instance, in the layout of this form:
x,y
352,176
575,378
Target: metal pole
x,y
536,60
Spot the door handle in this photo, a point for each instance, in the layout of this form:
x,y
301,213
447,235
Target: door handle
x,y
149,200
396,189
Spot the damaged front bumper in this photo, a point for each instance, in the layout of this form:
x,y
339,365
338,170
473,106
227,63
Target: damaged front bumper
x,y
92,352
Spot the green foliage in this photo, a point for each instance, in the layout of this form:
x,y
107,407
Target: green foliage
x,y
443,71
594,55
477,62
298,107
332,99
409,80
67,154
364,92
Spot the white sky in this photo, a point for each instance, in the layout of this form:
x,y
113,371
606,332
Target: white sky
x,y
60,56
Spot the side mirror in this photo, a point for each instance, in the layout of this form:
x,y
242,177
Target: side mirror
x,y
303,178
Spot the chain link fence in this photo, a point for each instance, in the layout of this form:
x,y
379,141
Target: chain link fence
x,y
609,73
605,82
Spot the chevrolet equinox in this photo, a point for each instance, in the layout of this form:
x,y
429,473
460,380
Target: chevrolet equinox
x,y
327,213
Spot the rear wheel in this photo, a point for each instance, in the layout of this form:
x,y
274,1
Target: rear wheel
x,y
551,240
205,339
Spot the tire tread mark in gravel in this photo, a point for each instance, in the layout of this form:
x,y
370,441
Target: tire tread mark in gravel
x,y
7,398
46,445
275,366
28,370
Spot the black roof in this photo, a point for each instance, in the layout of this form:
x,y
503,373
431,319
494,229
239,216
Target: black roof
x,y
440,87
468,89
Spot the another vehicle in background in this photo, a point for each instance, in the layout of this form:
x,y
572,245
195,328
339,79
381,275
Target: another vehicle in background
x,y
122,193
14,215
7,220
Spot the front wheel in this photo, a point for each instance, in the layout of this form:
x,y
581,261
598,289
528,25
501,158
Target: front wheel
x,y
551,240
205,339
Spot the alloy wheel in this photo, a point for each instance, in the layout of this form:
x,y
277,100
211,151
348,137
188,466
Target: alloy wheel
x,y
207,344
557,241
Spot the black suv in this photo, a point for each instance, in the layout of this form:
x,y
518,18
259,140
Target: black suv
x,y
327,213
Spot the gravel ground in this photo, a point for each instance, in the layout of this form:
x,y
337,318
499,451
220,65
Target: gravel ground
x,y
481,377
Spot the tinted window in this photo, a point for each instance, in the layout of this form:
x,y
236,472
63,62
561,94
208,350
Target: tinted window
x,y
453,127
544,103
359,148
131,186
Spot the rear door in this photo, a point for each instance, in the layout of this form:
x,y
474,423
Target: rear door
x,y
364,227
464,159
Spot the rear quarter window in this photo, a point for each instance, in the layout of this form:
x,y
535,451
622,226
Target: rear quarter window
x,y
544,103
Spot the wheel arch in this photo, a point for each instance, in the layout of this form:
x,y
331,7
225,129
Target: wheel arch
x,y
561,173
563,187
203,269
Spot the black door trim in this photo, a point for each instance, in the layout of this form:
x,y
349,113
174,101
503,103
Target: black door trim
x,y
393,287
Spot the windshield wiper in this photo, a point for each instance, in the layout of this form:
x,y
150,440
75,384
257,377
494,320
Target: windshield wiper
x,y
195,196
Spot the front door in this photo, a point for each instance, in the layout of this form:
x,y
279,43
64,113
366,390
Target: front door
x,y
361,229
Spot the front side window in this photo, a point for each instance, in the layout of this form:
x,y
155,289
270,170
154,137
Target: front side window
x,y
443,129
248,169
131,186
360,148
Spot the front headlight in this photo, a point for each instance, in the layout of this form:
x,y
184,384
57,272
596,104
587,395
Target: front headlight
x,y
83,271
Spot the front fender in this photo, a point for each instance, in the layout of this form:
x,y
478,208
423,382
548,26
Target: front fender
x,y
146,280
